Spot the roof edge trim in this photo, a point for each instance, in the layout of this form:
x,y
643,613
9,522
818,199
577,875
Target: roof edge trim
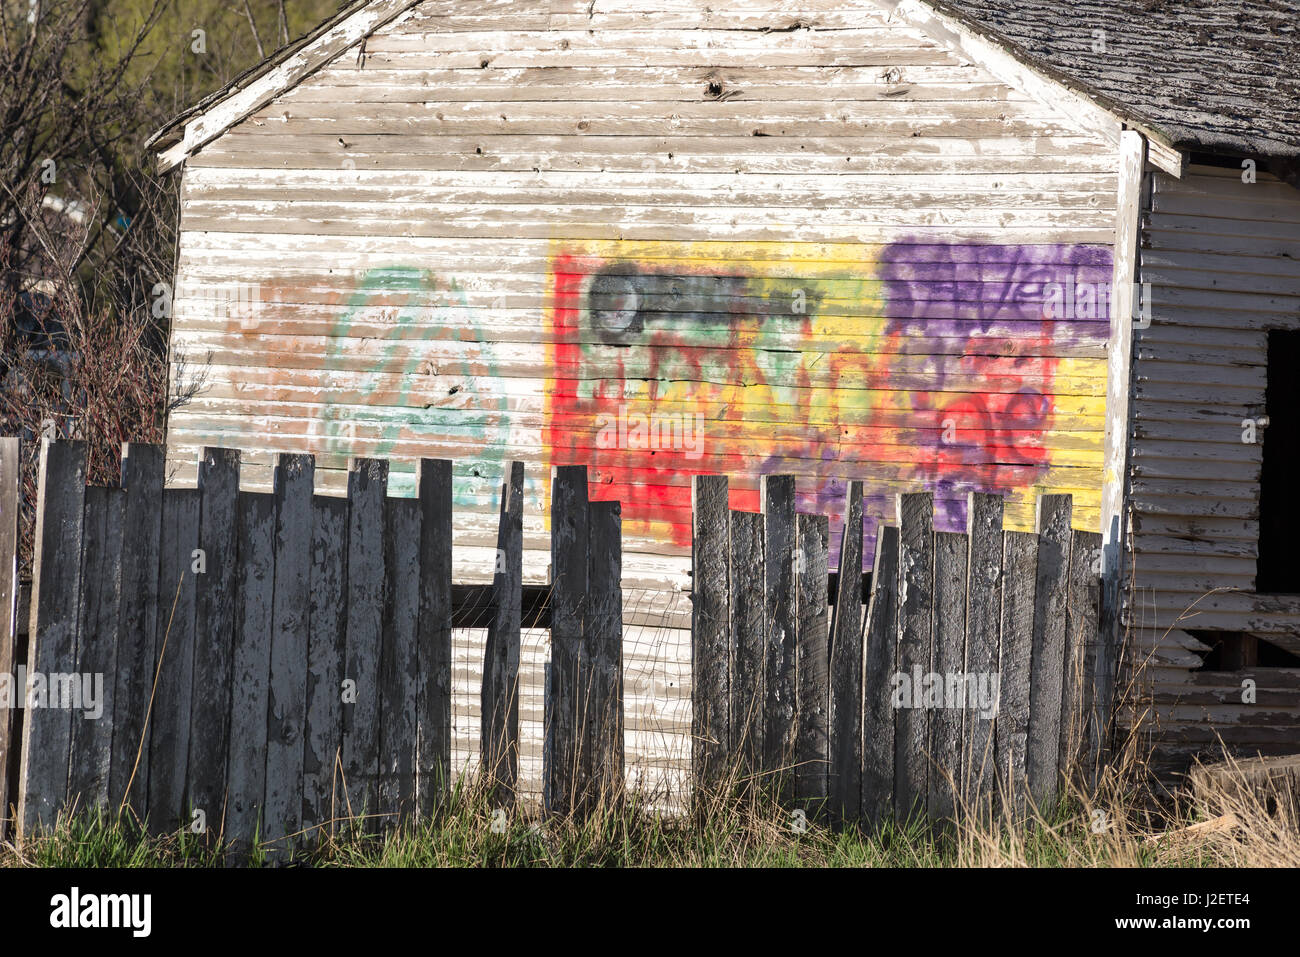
x,y
252,90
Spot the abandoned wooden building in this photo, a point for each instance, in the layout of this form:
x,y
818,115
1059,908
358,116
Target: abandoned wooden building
x,y
948,246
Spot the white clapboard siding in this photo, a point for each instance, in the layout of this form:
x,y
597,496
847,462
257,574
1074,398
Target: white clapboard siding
x,y
368,266
1221,257
1199,370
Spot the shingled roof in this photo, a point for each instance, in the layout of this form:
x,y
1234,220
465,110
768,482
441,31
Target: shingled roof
x,y
1218,76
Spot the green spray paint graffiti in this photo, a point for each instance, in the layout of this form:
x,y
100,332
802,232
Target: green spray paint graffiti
x,y
406,403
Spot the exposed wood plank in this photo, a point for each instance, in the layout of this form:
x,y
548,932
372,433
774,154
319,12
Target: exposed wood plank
x,y
950,583
1047,661
781,605
747,631
912,744
604,653
812,742
844,785
1015,649
367,572
326,654
983,627
499,741
398,661
1082,700
711,666
10,492
142,477
570,597
169,715
56,583
433,700
250,670
91,746
880,664
214,631
287,692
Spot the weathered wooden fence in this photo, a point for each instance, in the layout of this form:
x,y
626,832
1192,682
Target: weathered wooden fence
x,y
977,673
273,662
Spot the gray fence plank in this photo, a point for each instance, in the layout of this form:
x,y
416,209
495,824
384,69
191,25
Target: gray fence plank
x,y
367,488
880,663
10,479
844,784
499,698
101,582
983,613
56,581
169,715
915,604
950,665
1011,727
399,669
142,477
747,636
1047,661
812,741
569,567
604,640
294,478
1076,761
433,697
781,687
710,629
250,669
214,634
327,632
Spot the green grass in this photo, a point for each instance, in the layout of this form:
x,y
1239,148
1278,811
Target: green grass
x,y
730,830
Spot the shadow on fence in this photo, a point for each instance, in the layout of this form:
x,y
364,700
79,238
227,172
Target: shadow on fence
x,y
977,673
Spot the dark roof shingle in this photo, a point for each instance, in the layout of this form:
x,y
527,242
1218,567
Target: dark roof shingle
x,y
1220,76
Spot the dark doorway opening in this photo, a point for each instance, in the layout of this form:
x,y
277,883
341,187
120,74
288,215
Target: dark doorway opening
x,y
1278,568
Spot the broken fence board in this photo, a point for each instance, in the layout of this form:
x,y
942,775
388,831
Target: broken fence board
x,y
844,775
879,652
499,698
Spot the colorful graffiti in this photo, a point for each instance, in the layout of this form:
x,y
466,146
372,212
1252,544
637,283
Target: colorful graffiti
x,y
948,367
945,366
407,370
